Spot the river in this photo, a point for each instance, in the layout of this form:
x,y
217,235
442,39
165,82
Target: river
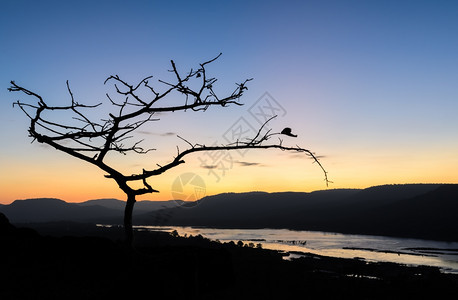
x,y
370,248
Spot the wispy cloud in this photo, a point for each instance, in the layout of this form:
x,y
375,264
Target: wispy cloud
x,y
209,167
240,163
168,134
157,134
303,155
248,164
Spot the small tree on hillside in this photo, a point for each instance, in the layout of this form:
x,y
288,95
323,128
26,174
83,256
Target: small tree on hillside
x,y
76,133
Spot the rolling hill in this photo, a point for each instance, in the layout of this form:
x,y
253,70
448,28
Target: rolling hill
x,y
419,211
412,210
94,211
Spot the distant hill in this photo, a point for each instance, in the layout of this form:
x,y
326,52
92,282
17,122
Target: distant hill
x,y
51,210
107,203
413,210
96,211
429,215
140,206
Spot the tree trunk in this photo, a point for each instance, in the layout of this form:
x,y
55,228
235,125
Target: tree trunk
x,y
128,219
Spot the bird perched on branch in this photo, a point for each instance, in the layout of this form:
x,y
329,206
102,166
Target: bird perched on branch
x,y
287,131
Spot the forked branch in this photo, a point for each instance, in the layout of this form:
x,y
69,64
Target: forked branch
x,y
257,142
134,106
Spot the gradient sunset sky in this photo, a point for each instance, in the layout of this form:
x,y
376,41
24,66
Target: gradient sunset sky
x,y
369,86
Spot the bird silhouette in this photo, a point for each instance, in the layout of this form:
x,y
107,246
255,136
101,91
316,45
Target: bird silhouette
x,y
287,131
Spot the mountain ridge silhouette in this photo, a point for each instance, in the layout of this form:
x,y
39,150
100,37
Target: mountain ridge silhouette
x,y
38,210
408,210
389,210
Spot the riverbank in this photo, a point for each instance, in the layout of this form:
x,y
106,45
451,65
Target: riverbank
x,y
93,263
370,248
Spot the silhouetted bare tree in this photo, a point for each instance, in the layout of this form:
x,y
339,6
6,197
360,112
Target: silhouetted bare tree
x,y
80,136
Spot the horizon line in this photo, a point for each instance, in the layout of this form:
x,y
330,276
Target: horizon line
x,y
253,191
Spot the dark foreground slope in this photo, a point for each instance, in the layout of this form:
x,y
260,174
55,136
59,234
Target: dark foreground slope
x,y
166,267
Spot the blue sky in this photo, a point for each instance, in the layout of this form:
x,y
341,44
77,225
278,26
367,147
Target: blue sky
x,y
370,85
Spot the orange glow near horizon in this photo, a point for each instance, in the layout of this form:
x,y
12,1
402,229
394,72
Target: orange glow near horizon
x,y
372,91
86,182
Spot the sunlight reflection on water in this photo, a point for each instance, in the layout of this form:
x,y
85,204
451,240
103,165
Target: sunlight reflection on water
x,y
370,248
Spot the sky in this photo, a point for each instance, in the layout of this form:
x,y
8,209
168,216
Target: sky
x,y
369,86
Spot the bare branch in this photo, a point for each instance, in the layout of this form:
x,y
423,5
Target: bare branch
x,y
133,106
192,146
253,143
265,137
92,140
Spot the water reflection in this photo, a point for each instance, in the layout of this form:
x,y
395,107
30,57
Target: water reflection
x,y
371,248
